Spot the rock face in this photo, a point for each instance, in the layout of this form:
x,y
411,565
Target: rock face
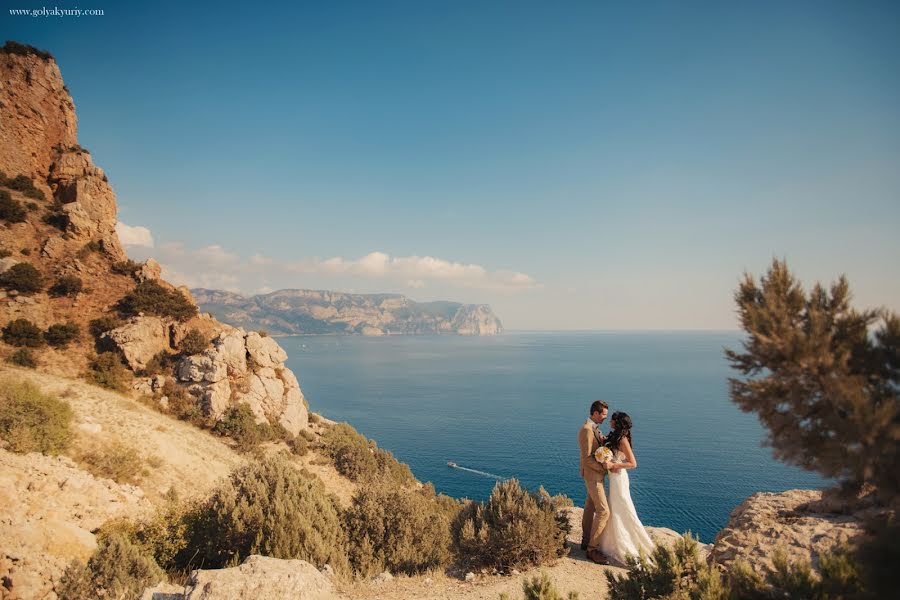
x,y
246,368
37,114
258,577
48,509
320,312
790,521
140,340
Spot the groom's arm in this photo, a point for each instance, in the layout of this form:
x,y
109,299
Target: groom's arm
x,y
588,460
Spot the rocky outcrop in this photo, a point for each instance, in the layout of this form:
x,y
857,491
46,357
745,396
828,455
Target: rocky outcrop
x,y
48,511
37,113
258,577
88,202
140,340
322,312
247,368
795,522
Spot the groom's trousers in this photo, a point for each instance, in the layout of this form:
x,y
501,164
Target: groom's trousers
x,y
596,509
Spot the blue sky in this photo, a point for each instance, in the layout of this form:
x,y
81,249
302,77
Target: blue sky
x,y
578,165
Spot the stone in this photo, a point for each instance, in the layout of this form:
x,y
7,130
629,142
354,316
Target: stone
x,y
383,577
264,351
92,428
150,270
7,262
470,576
261,578
139,340
53,248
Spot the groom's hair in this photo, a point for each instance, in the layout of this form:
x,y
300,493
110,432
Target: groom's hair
x,y
598,406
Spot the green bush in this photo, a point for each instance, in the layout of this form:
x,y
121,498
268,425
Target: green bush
x,y
359,459
193,342
22,277
239,424
31,421
67,285
90,248
151,298
125,267
23,332
181,404
11,210
23,357
540,587
24,184
101,325
114,460
273,509
680,573
107,371
61,335
165,535
514,529
118,570
397,530
162,362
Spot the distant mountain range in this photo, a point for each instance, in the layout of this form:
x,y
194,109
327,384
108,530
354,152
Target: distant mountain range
x,y
323,312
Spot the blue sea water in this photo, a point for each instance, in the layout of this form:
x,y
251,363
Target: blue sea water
x,y
511,406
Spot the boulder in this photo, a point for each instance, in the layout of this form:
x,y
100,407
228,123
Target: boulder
x,y
150,270
790,521
264,351
6,263
261,578
139,340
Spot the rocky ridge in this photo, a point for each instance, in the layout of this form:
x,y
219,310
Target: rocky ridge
x,y
322,312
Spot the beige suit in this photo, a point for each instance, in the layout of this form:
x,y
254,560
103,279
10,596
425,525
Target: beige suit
x,y
596,509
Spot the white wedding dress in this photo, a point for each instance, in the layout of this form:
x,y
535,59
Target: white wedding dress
x,y
624,533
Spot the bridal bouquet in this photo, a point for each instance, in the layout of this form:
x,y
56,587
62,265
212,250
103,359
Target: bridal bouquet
x,y
603,454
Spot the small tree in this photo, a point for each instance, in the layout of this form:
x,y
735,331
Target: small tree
x,y
67,285
23,332
823,385
153,299
193,342
11,210
107,371
60,335
22,277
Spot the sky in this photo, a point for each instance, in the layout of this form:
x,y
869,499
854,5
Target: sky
x,y
577,165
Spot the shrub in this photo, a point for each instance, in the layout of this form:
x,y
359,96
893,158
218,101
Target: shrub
x,y
56,217
680,572
181,404
11,47
23,332
4,253
823,385
514,529
152,298
101,325
193,342
107,371
298,444
161,362
270,508
91,247
11,210
24,184
540,587
115,461
397,530
117,570
67,285
239,424
22,277
31,421
125,267
359,459
61,334
314,418
23,357
165,536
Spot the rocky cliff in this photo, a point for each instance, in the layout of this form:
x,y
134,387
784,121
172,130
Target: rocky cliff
x,y
322,312
61,265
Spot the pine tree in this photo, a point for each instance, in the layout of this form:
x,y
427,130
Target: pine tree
x,y
822,377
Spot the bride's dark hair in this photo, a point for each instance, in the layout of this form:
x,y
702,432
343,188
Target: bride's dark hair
x,y
621,428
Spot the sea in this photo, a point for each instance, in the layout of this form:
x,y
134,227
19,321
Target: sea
x,y
510,406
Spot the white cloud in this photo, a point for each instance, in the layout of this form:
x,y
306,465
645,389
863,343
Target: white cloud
x,y
134,235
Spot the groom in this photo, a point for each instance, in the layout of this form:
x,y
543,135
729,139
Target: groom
x,y
596,509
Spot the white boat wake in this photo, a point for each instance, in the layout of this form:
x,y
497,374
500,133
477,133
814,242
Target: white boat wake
x,y
453,465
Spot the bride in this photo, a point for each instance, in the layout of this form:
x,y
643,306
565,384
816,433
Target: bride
x,y
624,534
